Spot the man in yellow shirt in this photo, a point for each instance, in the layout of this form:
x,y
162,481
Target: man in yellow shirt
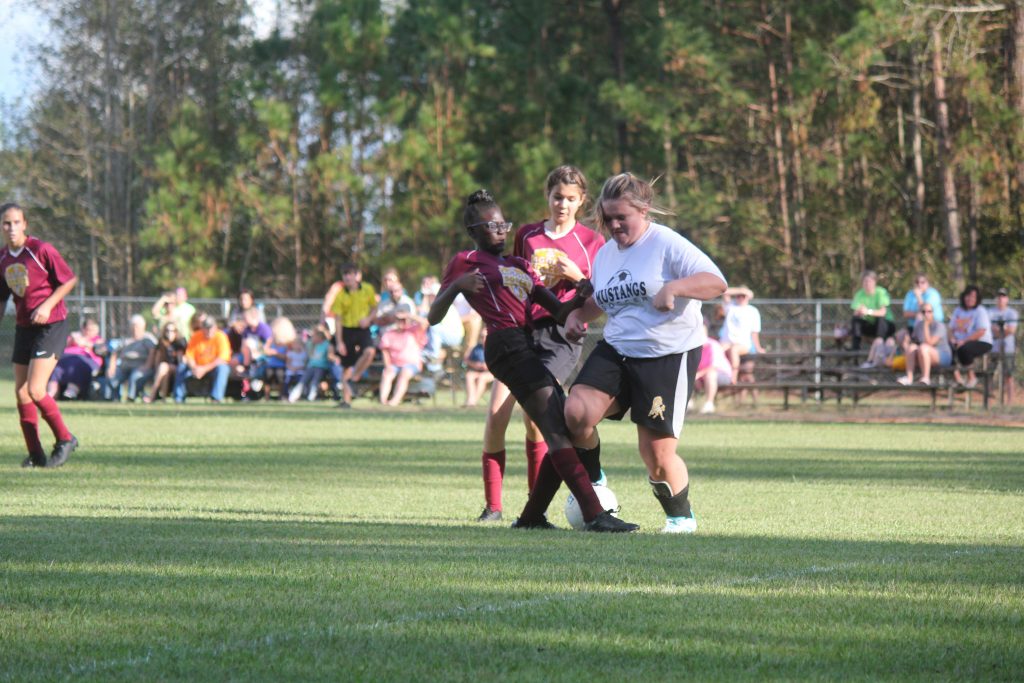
x,y
351,302
208,357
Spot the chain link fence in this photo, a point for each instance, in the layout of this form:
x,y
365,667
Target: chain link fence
x,y
788,325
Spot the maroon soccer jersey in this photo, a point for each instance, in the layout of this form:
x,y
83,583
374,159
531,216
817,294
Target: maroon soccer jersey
x,y
542,251
31,277
502,303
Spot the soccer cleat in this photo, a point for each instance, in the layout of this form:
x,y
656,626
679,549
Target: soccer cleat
x,y
489,515
541,524
679,525
602,480
62,451
34,460
606,522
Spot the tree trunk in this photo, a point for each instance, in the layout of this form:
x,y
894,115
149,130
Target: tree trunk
x,y
951,211
614,10
781,171
1016,69
918,154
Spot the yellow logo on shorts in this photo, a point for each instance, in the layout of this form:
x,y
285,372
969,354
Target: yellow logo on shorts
x,y
16,275
657,408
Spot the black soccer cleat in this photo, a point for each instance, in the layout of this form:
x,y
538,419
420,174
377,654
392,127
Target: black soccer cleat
x,y
489,515
608,523
34,460
62,451
542,523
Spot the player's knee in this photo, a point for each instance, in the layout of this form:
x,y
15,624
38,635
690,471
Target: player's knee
x,y
36,394
576,417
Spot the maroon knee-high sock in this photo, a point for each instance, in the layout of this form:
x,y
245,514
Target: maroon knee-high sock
x,y
29,418
535,452
561,465
51,413
494,472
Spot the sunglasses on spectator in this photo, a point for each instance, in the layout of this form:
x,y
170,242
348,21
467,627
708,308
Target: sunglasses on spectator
x,y
493,226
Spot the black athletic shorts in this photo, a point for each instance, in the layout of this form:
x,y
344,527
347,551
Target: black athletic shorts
x,y
654,390
558,354
356,339
512,357
39,341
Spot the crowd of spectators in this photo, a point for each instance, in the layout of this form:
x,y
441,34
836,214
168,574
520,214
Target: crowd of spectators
x,y
252,359
189,353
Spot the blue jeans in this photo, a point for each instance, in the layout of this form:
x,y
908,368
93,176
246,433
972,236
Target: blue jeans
x,y
218,377
135,379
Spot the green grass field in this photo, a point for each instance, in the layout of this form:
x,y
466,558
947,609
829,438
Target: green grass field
x,y
301,542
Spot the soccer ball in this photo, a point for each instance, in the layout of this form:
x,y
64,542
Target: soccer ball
x,y
574,515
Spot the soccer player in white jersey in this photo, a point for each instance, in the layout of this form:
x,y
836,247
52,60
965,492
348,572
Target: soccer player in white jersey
x,y
650,281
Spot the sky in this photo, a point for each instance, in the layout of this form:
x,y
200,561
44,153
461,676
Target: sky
x,y
25,26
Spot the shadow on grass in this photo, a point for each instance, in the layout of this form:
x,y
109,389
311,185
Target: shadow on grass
x,y
203,598
397,457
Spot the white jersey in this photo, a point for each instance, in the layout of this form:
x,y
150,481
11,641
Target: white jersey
x,y
626,281
741,322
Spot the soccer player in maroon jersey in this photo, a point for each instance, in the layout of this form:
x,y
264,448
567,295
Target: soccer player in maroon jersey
x,y
562,251
36,275
501,289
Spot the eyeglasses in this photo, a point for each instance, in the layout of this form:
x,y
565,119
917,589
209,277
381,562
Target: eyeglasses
x,y
493,226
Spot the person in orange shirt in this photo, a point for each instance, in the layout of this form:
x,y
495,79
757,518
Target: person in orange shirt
x,y
208,356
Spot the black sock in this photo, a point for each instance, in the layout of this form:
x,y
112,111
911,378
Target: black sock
x,y
591,459
674,506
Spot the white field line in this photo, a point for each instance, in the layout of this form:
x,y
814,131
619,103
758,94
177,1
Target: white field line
x,y
272,640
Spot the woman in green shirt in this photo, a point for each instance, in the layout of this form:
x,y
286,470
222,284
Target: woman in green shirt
x,y
872,316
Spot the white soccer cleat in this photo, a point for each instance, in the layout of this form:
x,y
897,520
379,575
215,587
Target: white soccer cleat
x,y
679,525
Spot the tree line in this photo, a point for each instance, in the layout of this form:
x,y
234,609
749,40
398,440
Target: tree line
x,y
798,143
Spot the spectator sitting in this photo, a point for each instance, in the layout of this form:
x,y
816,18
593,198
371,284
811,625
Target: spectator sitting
x,y
970,334
128,363
320,364
920,294
713,371
272,370
81,360
207,359
295,366
888,353
741,330
872,314
401,347
927,347
1004,337
163,362
478,377
447,334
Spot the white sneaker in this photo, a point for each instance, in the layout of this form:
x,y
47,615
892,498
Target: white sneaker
x,y
295,394
867,365
707,408
680,525
971,383
904,380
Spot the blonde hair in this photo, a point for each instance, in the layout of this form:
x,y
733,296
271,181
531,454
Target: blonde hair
x,y
638,192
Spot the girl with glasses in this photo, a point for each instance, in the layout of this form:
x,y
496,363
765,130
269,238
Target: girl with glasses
x,y
561,251
502,289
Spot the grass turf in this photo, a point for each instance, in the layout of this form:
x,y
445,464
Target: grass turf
x,y
300,542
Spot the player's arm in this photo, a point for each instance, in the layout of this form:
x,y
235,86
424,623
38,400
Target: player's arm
x,y
467,283
560,310
41,315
